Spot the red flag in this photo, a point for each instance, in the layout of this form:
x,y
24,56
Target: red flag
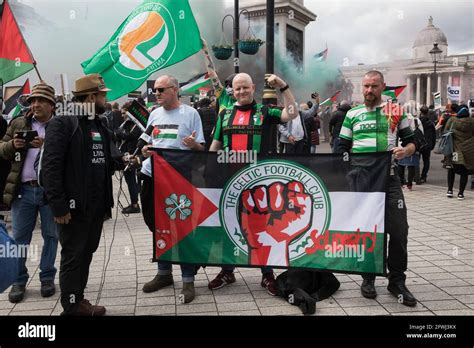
x,y
15,57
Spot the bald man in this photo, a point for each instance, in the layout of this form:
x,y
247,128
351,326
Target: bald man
x,y
246,126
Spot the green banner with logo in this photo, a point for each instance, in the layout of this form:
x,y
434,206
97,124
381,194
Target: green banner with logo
x,y
322,212
156,35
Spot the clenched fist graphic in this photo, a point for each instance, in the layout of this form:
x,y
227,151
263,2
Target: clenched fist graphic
x,y
271,217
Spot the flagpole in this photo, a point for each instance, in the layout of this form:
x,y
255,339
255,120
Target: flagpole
x,y
1,97
36,69
26,43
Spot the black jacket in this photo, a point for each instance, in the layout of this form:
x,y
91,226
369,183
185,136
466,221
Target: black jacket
x,y
114,120
429,131
128,134
335,124
208,119
303,288
66,164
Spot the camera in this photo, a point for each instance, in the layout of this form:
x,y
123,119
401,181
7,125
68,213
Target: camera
x,y
314,95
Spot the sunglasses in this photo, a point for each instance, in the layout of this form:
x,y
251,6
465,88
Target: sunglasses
x,y
161,89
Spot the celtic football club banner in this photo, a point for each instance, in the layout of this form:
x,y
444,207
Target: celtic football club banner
x,y
156,35
322,212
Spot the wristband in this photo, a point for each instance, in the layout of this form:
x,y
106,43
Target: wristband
x,y
284,88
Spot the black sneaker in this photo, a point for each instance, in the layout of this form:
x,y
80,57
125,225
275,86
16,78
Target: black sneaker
x,y
460,197
47,288
131,209
17,293
449,194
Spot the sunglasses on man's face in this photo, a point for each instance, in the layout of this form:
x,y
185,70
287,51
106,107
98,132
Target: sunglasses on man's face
x,y
161,89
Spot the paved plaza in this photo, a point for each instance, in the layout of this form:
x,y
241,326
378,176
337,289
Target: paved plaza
x,y
440,275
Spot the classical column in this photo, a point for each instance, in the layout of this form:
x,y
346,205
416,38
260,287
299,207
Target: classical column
x,y
428,90
418,92
408,88
439,83
461,83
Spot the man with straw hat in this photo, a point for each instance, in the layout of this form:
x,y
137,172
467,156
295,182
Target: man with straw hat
x,y
77,167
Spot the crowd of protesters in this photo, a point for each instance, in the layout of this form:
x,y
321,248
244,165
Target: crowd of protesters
x,y
64,172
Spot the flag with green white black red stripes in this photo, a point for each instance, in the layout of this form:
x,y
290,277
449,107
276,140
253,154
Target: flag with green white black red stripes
x,y
322,212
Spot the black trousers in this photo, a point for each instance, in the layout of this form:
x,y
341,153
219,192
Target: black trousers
x,y
298,147
132,183
79,240
396,225
411,175
426,163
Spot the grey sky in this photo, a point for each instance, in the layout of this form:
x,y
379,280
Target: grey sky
x,y
360,31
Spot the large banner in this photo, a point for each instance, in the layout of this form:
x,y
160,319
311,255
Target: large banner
x,y
322,212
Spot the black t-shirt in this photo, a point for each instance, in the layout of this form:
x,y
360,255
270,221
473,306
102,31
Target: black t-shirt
x,y
98,171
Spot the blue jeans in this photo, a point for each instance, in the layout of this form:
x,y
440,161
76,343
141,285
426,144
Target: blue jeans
x,y
25,210
335,144
187,271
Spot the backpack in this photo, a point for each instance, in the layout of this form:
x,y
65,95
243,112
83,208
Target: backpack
x,y
420,141
445,144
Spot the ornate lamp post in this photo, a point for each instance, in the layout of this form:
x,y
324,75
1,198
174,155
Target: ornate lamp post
x,y
435,52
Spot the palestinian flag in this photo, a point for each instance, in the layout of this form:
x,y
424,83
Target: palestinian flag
x,y
12,109
195,84
322,56
313,212
330,101
15,57
393,91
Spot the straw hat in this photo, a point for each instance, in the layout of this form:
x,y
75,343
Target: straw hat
x,y
89,84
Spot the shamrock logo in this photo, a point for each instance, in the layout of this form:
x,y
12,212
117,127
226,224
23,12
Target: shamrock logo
x,y
174,205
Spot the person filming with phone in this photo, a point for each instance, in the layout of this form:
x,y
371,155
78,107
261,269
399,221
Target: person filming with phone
x,y
21,145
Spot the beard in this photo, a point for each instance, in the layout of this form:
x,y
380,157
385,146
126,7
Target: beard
x,y
99,109
371,100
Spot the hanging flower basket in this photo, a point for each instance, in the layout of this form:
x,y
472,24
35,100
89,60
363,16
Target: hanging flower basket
x,y
250,46
222,52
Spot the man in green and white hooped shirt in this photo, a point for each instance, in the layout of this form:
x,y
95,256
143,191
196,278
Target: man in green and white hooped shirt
x,y
374,127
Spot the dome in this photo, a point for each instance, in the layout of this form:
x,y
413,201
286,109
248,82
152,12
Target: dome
x,y
430,35
425,40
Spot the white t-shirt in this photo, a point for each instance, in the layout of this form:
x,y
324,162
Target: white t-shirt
x,y
171,127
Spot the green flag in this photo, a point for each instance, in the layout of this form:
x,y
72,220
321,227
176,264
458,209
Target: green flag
x,y
156,35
